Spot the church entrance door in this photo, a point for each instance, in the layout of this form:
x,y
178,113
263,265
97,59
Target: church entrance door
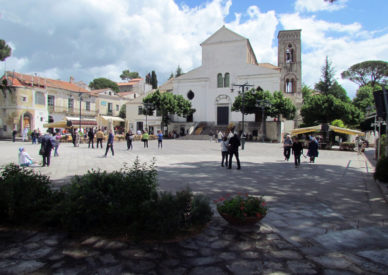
x,y
222,115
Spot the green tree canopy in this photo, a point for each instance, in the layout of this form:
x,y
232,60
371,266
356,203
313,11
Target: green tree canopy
x,y
168,104
127,75
279,105
123,111
102,83
324,109
368,72
364,98
154,80
5,50
179,71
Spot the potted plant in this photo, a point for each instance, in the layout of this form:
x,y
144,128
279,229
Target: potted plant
x,y
242,209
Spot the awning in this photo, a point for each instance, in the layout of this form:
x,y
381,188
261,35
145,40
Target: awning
x,y
113,118
346,131
58,124
331,128
75,123
305,130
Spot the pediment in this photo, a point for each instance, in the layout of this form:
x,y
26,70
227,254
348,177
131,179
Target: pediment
x,y
223,35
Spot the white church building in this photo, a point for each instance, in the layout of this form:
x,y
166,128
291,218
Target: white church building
x,y
227,59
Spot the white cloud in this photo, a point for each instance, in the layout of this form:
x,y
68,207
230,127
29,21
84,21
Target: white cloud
x,y
318,5
345,45
88,39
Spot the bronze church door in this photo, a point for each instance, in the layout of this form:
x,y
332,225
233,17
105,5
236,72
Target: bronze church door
x,y
222,115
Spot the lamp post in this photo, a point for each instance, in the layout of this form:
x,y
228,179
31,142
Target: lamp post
x,y
242,89
80,100
262,103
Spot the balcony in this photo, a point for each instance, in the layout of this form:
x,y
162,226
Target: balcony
x,y
71,112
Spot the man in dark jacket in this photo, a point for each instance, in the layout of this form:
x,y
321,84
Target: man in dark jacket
x,y
47,144
234,143
109,144
297,151
91,137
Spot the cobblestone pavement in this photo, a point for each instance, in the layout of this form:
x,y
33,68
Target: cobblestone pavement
x,y
324,218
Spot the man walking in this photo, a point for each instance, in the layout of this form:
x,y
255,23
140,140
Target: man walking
x,y
234,143
45,149
91,137
109,144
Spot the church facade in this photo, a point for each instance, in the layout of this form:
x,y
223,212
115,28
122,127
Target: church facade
x,y
227,60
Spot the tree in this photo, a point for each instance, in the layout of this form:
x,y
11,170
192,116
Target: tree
x,y
127,75
154,80
102,83
324,109
364,98
123,111
279,105
171,76
179,71
367,72
324,85
168,104
5,50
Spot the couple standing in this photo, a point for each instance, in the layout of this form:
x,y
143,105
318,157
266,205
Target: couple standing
x,y
228,149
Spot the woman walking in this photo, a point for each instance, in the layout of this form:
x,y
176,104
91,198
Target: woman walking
x,y
145,138
224,151
313,149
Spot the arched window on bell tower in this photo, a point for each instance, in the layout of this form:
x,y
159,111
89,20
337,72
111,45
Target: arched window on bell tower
x,y
226,80
290,54
290,85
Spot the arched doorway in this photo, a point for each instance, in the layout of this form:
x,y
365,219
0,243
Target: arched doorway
x,y
27,121
222,109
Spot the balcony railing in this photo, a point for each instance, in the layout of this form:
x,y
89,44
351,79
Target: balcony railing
x,y
71,112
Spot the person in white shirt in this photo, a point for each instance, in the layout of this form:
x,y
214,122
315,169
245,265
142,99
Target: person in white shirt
x,y
24,158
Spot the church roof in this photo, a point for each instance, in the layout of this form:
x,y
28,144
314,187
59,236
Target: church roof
x,y
223,35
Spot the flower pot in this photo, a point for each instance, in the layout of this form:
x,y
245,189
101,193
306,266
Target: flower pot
x,y
237,221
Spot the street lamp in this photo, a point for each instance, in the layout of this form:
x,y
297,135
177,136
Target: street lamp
x,y
147,107
263,103
242,89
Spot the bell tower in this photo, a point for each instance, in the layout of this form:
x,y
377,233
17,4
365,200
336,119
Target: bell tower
x,y
290,64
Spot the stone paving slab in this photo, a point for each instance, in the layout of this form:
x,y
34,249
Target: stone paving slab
x,y
324,218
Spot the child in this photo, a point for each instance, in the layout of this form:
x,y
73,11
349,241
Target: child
x,y
224,151
24,158
297,150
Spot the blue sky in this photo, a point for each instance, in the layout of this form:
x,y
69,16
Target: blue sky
x,y
87,39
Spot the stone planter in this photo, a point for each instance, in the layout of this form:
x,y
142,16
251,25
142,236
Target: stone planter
x,y
241,222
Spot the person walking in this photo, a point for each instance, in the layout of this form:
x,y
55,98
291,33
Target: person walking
x,y
57,141
100,137
287,144
313,149
297,151
109,143
46,146
234,143
129,138
34,136
14,132
24,158
160,139
91,138
25,133
220,136
224,151
145,138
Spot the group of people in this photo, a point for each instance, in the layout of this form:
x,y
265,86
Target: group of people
x,y
296,146
229,148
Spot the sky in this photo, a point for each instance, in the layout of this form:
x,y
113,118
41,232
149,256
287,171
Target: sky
x,y
88,39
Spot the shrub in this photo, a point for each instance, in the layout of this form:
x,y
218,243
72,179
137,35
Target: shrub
x,y
25,196
169,214
102,200
381,172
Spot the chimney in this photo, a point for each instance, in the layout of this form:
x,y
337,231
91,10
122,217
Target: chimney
x,y
71,79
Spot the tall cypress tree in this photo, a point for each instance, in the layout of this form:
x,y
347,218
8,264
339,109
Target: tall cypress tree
x,y
154,80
